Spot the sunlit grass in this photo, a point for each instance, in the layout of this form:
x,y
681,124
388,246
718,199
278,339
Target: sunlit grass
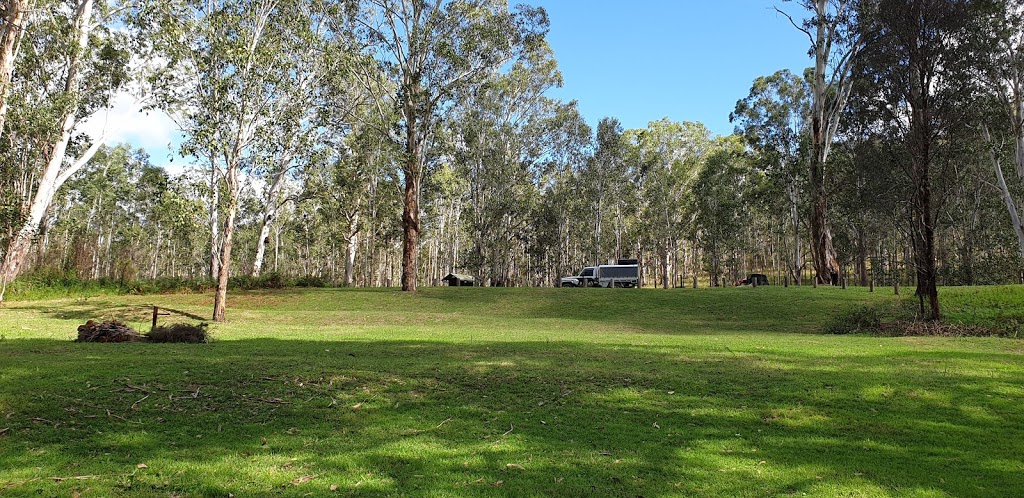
x,y
510,392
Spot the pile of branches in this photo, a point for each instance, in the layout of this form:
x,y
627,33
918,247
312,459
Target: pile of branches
x,y
901,320
944,329
179,332
113,331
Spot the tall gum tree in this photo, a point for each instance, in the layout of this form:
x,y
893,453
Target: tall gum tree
x,y
227,72
12,29
1003,70
605,175
669,155
835,46
90,67
430,50
773,119
922,70
506,136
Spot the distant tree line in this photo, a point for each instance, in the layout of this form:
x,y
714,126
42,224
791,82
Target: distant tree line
x,y
390,142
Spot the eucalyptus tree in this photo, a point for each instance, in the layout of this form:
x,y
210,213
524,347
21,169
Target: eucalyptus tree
x,y
77,63
12,29
669,157
122,218
562,204
835,43
235,79
718,207
1003,77
340,187
430,50
608,182
774,121
317,103
922,82
507,136
561,233
97,202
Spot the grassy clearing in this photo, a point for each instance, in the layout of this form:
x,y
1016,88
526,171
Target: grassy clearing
x,y
511,392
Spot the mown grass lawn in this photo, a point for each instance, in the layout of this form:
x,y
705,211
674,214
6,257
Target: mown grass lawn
x,y
511,392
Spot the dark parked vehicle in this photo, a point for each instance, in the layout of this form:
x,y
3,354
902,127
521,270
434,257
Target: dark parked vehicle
x,y
755,279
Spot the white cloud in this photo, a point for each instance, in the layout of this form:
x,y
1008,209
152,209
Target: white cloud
x,y
152,130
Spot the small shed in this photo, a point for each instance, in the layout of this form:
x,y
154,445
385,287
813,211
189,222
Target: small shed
x,y
458,280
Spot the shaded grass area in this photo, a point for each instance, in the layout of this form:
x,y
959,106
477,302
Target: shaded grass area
x,y
518,392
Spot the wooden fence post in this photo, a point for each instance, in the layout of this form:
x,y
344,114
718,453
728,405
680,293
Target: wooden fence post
x,y
156,313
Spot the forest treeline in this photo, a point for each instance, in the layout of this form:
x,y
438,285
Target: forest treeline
x,y
391,142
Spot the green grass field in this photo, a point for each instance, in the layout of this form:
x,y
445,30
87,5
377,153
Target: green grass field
x,y
511,392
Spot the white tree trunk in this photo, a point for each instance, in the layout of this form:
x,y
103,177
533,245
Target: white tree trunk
x,y
156,253
1011,205
794,214
12,27
270,208
214,216
53,175
350,255
1017,112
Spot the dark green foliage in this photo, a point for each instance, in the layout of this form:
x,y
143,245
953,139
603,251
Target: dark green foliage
x,y
272,280
901,318
872,318
52,284
311,281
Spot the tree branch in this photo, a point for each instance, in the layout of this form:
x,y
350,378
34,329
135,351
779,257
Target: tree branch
x,y
795,25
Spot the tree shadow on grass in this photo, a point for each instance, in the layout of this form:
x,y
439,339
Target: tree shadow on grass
x,y
271,417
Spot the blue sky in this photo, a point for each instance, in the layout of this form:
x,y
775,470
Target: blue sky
x,y
638,61
689,60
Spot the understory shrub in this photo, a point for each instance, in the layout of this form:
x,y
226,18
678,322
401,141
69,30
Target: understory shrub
x,y
900,319
311,281
51,284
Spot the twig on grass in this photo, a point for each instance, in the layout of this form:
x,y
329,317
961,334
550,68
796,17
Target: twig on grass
x,y
112,415
14,484
4,430
74,478
194,395
510,429
421,431
136,404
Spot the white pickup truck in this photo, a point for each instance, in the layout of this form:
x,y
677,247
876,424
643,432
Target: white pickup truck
x,y
584,279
